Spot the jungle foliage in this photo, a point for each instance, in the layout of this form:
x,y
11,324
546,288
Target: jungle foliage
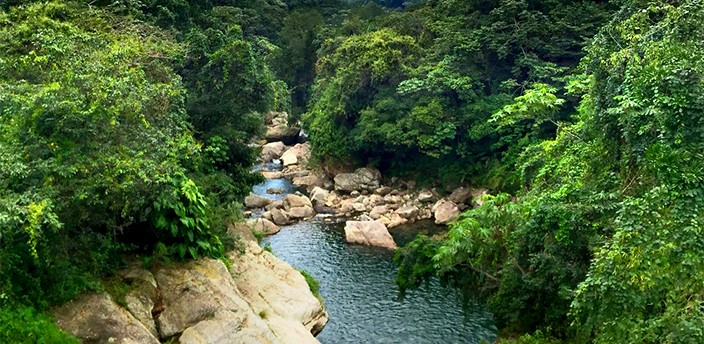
x,y
123,128
415,90
603,242
124,131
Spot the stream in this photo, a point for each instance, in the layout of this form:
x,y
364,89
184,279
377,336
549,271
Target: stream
x,y
357,285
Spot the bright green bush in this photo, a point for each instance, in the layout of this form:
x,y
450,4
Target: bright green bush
x,y
26,325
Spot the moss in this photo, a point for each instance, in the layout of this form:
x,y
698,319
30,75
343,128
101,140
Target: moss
x,y
118,289
313,284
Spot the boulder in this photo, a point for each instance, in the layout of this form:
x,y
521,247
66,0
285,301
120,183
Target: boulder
x,y
375,200
460,195
275,191
393,220
383,191
407,212
272,150
378,211
359,207
297,155
283,133
362,179
219,330
318,196
255,201
308,182
445,212
293,201
289,159
279,217
371,233
289,174
96,318
142,296
278,293
426,196
272,175
277,204
303,212
193,292
264,226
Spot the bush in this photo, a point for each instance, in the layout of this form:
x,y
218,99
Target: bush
x,y
26,325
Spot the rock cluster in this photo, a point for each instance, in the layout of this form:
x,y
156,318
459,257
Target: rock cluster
x,y
261,300
360,194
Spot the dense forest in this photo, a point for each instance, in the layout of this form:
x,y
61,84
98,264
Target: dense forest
x,y
125,131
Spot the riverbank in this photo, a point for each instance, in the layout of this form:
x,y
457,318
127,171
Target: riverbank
x,y
250,296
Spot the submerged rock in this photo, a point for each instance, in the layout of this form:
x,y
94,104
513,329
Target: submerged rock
x,y
272,175
371,233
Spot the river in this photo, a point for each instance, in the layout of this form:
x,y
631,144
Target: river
x,y
356,283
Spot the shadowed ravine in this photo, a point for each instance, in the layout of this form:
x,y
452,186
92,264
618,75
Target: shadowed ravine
x,y
356,283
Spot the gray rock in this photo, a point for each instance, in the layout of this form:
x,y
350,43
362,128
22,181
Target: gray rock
x,y
383,191
140,300
297,155
362,179
275,204
96,318
460,195
426,196
228,327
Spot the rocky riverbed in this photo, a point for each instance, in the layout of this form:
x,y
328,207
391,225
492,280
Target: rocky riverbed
x,y
362,195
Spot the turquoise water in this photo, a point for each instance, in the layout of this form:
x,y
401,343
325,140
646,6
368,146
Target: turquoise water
x,y
356,283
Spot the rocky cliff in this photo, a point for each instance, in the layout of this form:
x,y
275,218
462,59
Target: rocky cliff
x,y
260,299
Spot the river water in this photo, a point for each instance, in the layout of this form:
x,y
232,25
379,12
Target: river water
x,y
356,283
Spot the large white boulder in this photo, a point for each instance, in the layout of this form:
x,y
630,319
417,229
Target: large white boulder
x,y
371,233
